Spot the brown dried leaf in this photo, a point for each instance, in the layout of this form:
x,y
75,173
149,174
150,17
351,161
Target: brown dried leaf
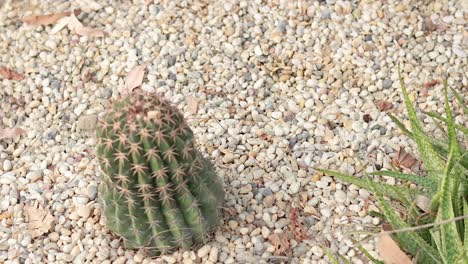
x,y
39,219
403,159
383,105
390,252
10,74
431,83
280,242
11,132
297,229
192,105
48,19
134,78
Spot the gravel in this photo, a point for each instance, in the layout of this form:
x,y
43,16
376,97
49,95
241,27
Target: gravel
x,y
281,88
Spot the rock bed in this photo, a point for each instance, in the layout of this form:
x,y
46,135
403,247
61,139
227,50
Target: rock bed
x,y
271,89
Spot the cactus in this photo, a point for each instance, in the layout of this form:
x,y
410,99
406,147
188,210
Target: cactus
x,y
158,192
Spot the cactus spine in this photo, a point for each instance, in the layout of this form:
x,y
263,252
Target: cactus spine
x,y
157,191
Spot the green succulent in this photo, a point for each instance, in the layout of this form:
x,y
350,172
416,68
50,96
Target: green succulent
x,y
157,191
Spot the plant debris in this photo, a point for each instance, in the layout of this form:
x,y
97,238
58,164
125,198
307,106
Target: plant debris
x,y
404,160
297,229
280,242
39,219
383,105
49,19
10,74
134,78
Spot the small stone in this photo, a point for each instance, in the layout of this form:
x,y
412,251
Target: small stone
x,y
321,184
387,83
213,254
54,236
203,251
79,109
7,166
244,230
84,211
91,192
87,122
233,224
245,189
33,175
258,51
340,196
294,188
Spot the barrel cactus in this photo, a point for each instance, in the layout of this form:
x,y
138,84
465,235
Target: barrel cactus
x,y
157,191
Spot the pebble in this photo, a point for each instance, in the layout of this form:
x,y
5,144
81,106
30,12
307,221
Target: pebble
x,y
203,251
87,122
33,176
79,109
7,166
84,211
281,89
340,196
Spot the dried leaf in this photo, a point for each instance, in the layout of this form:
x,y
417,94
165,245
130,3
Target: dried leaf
x,y
48,19
429,25
63,22
390,252
297,229
431,83
280,242
403,159
76,26
39,219
134,78
10,74
11,132
383,105
192,105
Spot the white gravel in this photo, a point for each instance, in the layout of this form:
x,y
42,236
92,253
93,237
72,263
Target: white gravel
x,y
282,86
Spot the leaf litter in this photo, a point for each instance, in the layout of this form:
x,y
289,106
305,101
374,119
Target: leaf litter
x,y
48,19
76,26
10,74
390,252
39,219
134,79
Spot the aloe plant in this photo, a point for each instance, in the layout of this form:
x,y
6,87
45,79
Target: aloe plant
x,y
446,163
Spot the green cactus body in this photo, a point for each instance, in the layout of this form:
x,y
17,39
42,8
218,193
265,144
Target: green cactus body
x,y
157,191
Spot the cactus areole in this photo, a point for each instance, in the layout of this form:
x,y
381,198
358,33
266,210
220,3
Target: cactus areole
x,y
157,191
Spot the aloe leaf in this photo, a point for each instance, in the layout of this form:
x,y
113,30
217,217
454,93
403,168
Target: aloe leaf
x,y
431,160
465,212
331,258
409,241
419,180
400,125
450,239
441,118
400,193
